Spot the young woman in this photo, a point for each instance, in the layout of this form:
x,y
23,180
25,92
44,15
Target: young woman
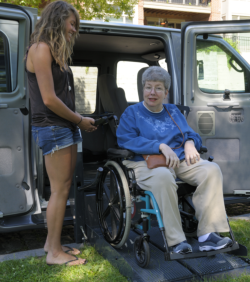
x,y
54,120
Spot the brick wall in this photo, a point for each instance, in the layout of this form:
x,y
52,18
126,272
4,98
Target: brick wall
x,y
140,13
215,10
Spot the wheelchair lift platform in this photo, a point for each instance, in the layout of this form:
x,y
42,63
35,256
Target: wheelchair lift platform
x,y
195,269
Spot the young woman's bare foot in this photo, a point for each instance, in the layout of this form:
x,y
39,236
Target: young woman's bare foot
x,y
70,251
66,249
61,258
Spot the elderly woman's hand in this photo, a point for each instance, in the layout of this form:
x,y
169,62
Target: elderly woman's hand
x,y
171,158
191,154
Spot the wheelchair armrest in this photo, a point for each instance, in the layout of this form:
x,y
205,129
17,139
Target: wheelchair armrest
x,y
203,149
120,153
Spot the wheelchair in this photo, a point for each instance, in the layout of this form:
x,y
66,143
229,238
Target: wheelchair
x,y
118,194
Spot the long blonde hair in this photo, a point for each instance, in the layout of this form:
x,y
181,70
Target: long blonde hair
x,y
50,29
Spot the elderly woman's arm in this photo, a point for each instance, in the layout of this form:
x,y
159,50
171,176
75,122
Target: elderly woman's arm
x,y
191,154
128,137
192,143
191,147
171,158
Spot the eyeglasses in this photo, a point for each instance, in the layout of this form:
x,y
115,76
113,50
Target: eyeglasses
x,y
157,90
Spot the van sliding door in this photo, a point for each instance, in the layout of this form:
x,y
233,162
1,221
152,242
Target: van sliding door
x,y
216,86
16,187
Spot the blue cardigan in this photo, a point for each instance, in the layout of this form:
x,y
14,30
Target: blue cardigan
x,y
142,131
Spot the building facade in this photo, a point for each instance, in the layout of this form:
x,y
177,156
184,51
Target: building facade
x,y
171,13
235,10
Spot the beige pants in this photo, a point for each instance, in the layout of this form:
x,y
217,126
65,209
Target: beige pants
x,y
207,199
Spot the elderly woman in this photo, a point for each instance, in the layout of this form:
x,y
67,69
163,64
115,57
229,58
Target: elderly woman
x,y
147,128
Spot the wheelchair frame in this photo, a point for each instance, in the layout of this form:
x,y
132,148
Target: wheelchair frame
x,y
144,223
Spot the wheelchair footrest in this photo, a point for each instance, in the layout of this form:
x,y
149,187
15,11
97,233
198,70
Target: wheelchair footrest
x,y
175,256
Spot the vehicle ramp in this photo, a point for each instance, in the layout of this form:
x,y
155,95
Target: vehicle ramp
x,y
196,269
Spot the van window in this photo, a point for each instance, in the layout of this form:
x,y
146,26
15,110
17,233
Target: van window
x,y
8,55
85,82
163,64
126,78
219,67
3,80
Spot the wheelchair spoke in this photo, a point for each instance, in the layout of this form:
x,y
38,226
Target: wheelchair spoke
x,y
106,213
113,224
106,191
116,212
115,200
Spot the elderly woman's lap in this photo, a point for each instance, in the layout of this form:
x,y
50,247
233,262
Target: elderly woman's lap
x,y
149,179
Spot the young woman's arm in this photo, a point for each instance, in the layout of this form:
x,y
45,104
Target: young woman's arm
x,y
39,61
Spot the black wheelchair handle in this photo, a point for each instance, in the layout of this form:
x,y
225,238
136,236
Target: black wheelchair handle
x,y
100,121
104,120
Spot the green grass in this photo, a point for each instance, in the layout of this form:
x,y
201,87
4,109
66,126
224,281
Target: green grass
x,y
241,230
35,269
97,269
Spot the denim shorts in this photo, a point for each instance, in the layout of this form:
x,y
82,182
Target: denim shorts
x,y
54,138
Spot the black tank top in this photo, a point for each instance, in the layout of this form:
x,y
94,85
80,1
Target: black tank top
x,y
42,115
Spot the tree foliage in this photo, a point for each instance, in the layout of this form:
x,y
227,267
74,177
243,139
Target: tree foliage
x,y
207,47
89,9
103,9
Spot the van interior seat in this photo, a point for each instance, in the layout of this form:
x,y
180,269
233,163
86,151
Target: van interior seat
x,y
114,101
113,98
139,83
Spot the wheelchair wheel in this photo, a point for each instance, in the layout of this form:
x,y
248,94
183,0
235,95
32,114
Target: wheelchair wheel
x,y
114,205
142,253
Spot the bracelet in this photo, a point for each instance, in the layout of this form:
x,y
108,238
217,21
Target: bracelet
x,y
79,121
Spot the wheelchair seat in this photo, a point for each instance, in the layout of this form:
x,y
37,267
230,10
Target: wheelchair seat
x,y
114,153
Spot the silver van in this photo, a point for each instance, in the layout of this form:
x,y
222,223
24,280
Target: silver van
x,y
208,64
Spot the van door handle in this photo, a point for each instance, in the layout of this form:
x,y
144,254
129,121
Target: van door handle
x,y
223,105
3,106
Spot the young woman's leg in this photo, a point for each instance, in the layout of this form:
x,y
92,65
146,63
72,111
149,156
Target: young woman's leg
x,y
73,165
59,166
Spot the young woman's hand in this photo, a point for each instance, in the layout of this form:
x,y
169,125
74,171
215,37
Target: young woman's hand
x,y
171,158
191,154
87,124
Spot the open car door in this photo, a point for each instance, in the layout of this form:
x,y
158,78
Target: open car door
x,y
216,86
16,175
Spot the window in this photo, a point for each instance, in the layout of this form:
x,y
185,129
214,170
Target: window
x,y
114,20
219,67
126,78
163,22
85,82
3,79
163,64
8,55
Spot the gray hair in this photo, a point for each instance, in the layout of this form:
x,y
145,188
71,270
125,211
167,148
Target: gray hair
x,y
156,73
